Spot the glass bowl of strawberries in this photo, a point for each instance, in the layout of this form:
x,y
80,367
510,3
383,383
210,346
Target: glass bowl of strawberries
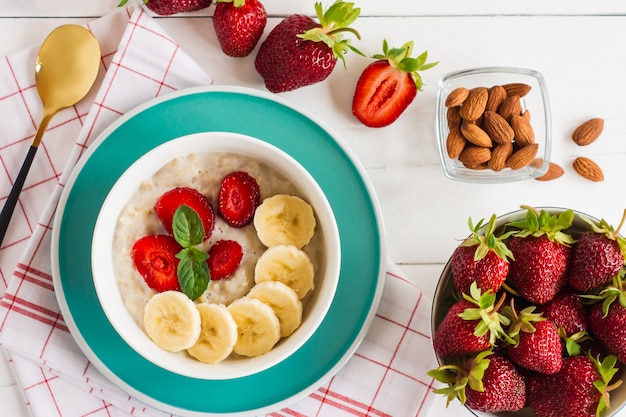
x,y
216,255
529,316
493,125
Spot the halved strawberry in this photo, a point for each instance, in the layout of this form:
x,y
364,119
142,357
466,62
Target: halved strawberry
x,y
167,204
224,259
387,86
155,259
238,198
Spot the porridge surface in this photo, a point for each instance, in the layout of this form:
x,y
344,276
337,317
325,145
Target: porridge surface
x,y
204,172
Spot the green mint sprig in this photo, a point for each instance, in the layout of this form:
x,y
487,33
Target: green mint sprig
x,y
193,271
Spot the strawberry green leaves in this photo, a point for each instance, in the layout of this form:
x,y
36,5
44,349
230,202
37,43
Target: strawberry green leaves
x,y
335,20
401,59
543,223
193,271
487,314
486,239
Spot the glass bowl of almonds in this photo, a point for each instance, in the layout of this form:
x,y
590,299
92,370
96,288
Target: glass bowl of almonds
x,y
493,125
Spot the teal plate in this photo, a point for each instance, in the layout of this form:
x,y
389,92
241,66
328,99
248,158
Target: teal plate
x,y
317,149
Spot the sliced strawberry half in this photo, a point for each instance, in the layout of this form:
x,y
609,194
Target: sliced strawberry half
x,y
238,198
388,85
224,259
155,259
167,204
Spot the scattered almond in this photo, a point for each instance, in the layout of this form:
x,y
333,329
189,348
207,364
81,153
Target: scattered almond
x,y
588,169
457,97
588,132
522,157
474,105
554,171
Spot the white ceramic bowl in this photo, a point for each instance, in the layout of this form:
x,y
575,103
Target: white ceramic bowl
x,y
445,288
106,285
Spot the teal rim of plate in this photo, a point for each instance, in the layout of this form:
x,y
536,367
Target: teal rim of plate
x,y
314,146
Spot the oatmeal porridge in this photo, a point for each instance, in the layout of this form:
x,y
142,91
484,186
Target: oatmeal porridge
x,y
203,172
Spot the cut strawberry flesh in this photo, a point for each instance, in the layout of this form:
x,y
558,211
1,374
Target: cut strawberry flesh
x,y
224,259
382,94
167,204
155,259
238,198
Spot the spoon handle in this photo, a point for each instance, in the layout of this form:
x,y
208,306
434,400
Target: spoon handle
x,y
9,205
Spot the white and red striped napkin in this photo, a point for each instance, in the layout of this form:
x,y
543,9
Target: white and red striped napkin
x,y
386,376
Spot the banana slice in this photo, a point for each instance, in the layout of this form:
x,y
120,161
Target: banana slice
x,y
172,321
218,335
286,264
257,326
283,300
284,220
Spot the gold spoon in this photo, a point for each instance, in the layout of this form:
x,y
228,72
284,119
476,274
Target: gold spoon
x,y
65,71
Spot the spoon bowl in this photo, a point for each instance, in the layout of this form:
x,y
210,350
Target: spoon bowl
x,y
66,69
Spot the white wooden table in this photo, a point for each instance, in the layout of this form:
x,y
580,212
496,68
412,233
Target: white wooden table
x,y
578,45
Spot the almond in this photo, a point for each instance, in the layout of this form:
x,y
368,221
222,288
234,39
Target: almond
x,y
588,169
510,106
495,97
497,127
457,97
474,105
474,155
455,143
554,171
500,155
524,134
526,115
476,135
588,132
522,157
516,89
453,116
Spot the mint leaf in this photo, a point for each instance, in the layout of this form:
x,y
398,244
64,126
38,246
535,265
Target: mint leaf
x,y
187,227
193,272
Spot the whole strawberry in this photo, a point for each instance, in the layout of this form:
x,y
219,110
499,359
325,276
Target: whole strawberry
x,y
542,253
488,382
537,344
607,320
598,256
481,258
471,325
388,85
239,25
169,7
580,389
567,311
300,52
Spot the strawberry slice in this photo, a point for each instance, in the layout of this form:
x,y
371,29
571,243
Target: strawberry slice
x,y
167,204
224,259
238,198
388,85
155,259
